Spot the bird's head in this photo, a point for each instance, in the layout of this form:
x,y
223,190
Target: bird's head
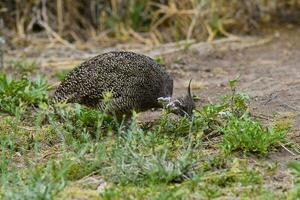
x,y
180,106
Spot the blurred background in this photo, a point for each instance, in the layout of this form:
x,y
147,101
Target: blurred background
x,y
151,22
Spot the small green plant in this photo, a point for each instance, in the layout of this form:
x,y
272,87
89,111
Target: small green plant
x,y
160,60
187,44
136,20
237,172
294,166
60,75
17,94
241,132
23,66
211,117
250,136
37,182
237,102
141,157
77,120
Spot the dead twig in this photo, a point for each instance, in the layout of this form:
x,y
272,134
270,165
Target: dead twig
x,y
59,5
260,116
42,21
289,107
272,96
212,134
292,153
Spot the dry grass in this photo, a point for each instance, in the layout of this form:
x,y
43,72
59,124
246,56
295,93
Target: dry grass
x,y
145,21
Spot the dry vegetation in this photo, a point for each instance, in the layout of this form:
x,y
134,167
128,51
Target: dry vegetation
x,y
146,21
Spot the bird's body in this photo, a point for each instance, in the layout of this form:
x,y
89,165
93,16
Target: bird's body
x,y
136,82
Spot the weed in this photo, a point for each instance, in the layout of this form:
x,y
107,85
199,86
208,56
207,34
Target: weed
x,y
136,19
284,122
241,132
237,102
78,126
141,158
211,117
160,60
244,133
18,94
187,44
294,166
40,182
23,66
60,75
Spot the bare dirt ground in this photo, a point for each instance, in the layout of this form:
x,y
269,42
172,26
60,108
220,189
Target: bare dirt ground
x,y
269,73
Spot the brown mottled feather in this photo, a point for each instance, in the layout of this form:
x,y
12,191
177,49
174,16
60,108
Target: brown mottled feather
x,y
135,80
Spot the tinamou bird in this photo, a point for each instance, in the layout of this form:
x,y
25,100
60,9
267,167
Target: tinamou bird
x,y
136,81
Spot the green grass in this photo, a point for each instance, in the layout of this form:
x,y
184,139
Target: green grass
x,y
23,66
18,94
160,60
60,75
294,166
245,134
60,151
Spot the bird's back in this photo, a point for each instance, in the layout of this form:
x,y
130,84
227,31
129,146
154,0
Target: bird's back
x,y
135,80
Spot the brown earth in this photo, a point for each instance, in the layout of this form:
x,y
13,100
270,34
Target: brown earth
x,y
269,73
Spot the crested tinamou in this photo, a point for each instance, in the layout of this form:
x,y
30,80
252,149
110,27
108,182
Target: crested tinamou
x,y
136,81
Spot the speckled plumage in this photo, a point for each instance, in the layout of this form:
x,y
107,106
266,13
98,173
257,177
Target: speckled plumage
x,y
136,81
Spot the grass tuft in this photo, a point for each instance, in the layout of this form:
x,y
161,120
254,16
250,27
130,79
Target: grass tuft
x,y
249,136
18,94
59,147
23,66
